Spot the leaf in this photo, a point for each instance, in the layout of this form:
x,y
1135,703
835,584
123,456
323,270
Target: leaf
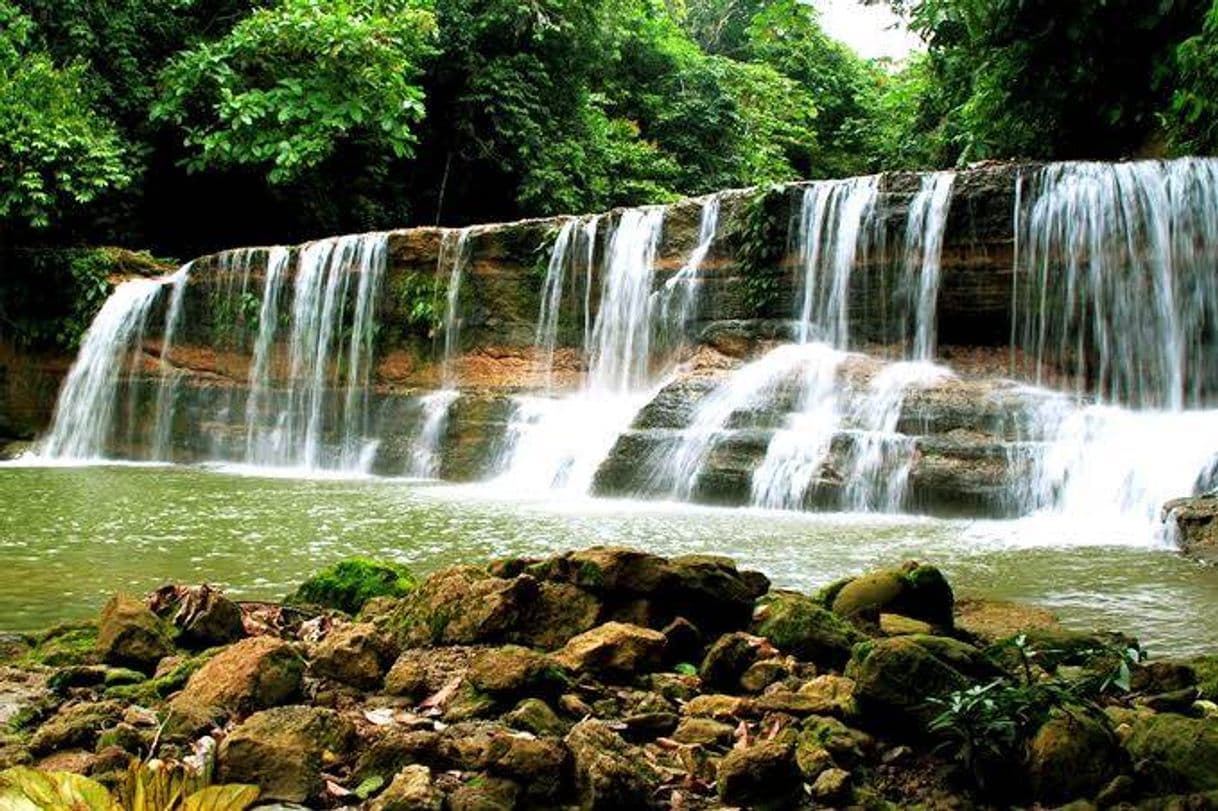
x,y
234,797
25,789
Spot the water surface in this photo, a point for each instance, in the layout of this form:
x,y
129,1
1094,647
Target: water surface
x,y
70,536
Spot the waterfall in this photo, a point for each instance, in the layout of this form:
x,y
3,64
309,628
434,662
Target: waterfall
x,y
167,388
678,297
882,458
84,414
258,444
1116,295
424,451
924,232
551,300
833,222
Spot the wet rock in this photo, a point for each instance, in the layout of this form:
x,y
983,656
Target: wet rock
x,y
897,625
349,584
535,716
75,726
1179,754
485,794
613,649
766,672
538,764
253,674
1195,524
411,790
1072,756
1206,668
508,669
683,641
797,625
832,788
730,657
720,707
356,654
915,590
704,732
895,677
846,745
392,749
201,615
130,635
284,750
610,774
763,775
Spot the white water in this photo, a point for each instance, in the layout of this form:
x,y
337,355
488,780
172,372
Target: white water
x,y
883,458
454,255
678,297
546,339
424,452
84,414
924,233
260,383
166,390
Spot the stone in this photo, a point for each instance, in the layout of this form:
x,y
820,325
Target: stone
x,y
509,669
683,641
535,716
349,584
391,749
75,726
719,707
559,612
797,625
730,657
990,621
847,746
411,790
613,649
832,788
764,774
915,590
894,678
1072,756
766,672
1195,521
201,615
610,774
284,750
834,695
897,625
463,605
254,674
1180,754
704,732
539,765
1206,668
484,793
130,635
357,654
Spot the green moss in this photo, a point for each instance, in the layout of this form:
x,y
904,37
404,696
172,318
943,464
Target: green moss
x,y
798,625
152,691
828,593
64,646
350,583
760,239
1206,668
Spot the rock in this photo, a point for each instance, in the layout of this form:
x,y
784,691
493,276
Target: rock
x,y
895,677
350,583
846,745
202,616
610,774
462,605
1195,524
762,674
992,620
1072,756
75,726
539,765
613,649
394,748
833,695
683,641
1121,788
915,590
253,674
720,707
411,790
509,669
704,732
535,716
896,625
730,657
1180,754
485,794
797,625
284,750
559,612
130,635
420,672
764,774
832,788
1162,676
1206,668
356,654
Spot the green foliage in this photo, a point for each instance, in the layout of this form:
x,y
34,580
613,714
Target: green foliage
x,y
1193,117
760,244
56,152
144,788
291,84
418,298
350,583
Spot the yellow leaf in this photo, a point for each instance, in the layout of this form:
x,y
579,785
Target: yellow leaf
x,y
25,789
222,798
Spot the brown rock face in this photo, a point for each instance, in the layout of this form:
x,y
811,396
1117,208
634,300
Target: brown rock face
x,y
1196,524
251,675
130,635
357,654
610,774
283,751
614,649
202,616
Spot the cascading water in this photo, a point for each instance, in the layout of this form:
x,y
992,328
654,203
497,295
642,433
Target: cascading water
x,y
678,297
546,340
924,233
259,443
169,376
84,415
1116,292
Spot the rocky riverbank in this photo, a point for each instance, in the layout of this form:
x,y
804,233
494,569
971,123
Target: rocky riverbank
x,y
604,679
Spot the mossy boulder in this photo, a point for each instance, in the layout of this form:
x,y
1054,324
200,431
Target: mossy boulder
x,y
610,774
798,625
350,583
511,669
894,678
1179,753
283,751
1206,668
764,775
66,645
615,649
412,789
130,635
357,654
1071,757
730,657
914,590
75,726
253,674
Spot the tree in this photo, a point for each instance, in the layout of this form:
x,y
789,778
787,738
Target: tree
x,y
56,152
1193,117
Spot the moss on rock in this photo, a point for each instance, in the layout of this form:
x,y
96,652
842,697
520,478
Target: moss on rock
x,y
798,625
350,583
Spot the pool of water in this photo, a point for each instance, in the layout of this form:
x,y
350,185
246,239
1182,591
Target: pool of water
x,y
71,536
